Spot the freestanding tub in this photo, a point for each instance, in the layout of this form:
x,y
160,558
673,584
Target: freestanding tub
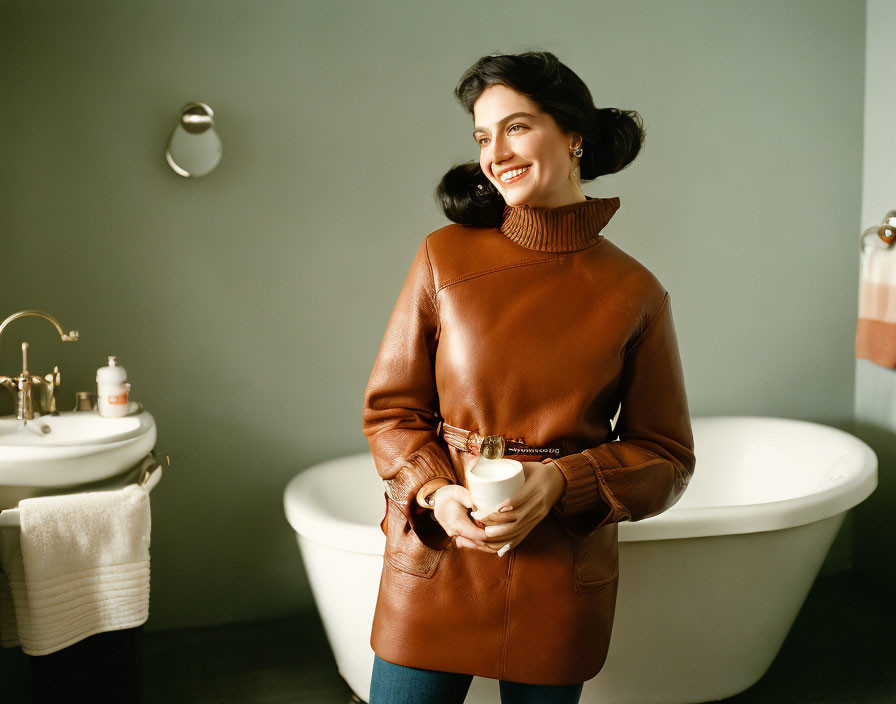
x,y
707,590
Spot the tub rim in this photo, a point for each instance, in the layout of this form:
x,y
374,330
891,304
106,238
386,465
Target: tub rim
x,y
844,491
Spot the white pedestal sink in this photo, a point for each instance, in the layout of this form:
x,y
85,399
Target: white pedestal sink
x,y
71,451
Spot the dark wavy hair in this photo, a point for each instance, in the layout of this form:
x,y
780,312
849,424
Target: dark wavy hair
x,y
612,138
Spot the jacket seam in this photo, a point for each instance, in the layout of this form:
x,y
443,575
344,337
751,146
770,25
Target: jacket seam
x,y
468,277
431,296
503,663
619,301
650,324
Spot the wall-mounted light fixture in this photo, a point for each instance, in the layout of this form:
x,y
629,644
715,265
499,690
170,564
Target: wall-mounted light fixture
x,y
194,148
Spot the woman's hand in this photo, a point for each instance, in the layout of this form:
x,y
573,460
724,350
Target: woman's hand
x,y
543,487
451,511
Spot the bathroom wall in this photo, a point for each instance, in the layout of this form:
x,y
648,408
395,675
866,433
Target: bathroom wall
x,y
875,412
248,306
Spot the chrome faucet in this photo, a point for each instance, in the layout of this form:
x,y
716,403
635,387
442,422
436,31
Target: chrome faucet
x,y
21,386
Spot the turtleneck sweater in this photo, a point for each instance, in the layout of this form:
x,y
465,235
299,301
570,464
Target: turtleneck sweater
x,y
566,228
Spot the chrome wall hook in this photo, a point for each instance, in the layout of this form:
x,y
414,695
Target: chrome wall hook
x,y
194,148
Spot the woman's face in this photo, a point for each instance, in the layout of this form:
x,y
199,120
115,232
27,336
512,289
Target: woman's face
x,y
533,140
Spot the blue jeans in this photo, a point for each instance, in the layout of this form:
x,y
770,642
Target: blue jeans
x,y
399,684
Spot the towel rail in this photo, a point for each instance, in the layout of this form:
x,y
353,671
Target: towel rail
x,y
150,475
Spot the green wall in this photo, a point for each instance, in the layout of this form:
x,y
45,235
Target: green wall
x,y
875,414
248,306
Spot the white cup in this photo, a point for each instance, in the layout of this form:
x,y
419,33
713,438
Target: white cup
x,y
492,481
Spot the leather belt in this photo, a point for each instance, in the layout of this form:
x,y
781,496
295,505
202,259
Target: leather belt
x,y
492,447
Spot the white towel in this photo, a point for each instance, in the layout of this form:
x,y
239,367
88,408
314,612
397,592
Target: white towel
x,y
79,565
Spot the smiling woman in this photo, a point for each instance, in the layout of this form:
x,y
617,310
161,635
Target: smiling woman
x,y
528,157
533,112
520,321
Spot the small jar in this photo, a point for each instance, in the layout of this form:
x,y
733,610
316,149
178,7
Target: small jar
x,y
85,401
111,390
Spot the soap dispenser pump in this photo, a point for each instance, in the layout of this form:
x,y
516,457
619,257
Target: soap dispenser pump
x,y
112,390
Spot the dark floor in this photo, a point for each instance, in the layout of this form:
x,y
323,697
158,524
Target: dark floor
x,y
840,650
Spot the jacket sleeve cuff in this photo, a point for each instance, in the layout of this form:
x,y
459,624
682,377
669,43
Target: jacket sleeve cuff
x,y
418,469
421,469
581,488
587,503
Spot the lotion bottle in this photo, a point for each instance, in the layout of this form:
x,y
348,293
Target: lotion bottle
x,y
112,390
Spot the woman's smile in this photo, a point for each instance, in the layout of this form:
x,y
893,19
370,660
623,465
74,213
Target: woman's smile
x,y
523,151
514,175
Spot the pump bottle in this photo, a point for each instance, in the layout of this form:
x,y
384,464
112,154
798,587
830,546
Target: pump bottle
x,y
112,390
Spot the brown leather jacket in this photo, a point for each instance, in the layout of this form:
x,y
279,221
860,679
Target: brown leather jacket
x,y
536,330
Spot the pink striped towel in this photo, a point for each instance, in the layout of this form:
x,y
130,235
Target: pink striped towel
x,y
876,329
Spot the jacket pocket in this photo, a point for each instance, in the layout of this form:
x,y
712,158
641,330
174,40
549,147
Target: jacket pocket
x,y
595,559
404,550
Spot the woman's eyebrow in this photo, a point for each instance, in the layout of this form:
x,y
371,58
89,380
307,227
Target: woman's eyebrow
x,y
509,117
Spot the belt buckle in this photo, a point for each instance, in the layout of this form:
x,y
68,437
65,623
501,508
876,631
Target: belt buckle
x,y
492,447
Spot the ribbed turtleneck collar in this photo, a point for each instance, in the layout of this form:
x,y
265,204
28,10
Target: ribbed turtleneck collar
x,y
563,229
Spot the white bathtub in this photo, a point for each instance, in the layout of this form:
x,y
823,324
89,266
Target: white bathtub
x,y
707,590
